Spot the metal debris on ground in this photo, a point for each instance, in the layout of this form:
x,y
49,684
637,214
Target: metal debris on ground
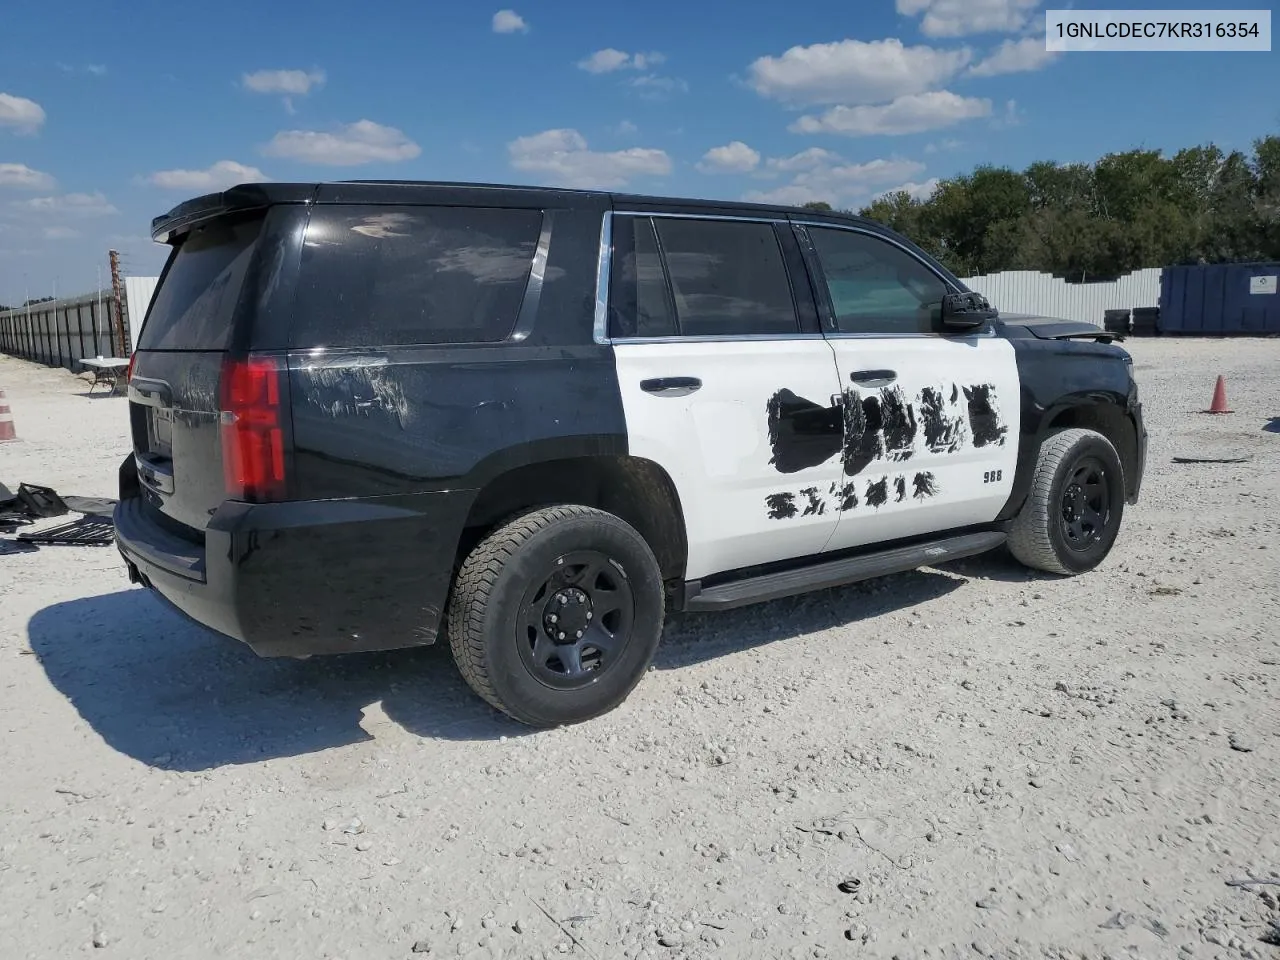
x,y
1212,459
40,501
33,502
88,531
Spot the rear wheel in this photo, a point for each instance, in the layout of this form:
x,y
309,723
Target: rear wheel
x,y
556,615
1072,514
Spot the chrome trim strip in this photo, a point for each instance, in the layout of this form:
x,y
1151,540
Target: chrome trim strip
x,y
667,214
708,338
533,288
600,331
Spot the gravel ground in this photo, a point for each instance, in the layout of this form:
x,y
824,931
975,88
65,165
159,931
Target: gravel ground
x,y
967,761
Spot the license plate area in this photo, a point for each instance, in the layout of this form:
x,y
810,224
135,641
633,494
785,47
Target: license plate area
x,y
160,433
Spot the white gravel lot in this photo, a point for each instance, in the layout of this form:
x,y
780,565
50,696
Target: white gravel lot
x,y
969,761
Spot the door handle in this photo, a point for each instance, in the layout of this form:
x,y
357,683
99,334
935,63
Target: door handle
x,y
873,378
671,386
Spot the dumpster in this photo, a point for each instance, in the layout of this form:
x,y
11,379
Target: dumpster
x,y
1220,300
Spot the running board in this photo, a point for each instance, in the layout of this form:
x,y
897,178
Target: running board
x,y
835,573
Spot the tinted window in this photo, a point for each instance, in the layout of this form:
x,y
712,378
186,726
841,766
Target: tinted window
x,y
877,287
380,276
194,305
727,277
639,304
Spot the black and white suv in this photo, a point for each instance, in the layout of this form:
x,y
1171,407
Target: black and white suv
x,y
365,414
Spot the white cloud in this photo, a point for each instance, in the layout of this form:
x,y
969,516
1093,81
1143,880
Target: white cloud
x,y
917,191
609,60
22,177
735,157
945,146
654,87
958,18
914,113
1015,56
1011,117
508,21
25,116
361,142
854,71
97,69
564,159
293,83
70,204
823,175
60,233
626,129
219,176
810,159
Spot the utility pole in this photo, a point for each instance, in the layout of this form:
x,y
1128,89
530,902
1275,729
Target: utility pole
x,y
97,347
120,346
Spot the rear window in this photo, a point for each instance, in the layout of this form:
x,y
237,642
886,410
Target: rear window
x,y
194,305
382,276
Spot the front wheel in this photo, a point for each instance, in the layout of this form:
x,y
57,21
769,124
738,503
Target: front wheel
x,y
556,615
1072,514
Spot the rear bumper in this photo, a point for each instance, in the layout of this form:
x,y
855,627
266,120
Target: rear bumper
x,y
310,577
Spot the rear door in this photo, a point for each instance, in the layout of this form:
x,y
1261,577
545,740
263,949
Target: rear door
x,y
724,386
931,420
174,389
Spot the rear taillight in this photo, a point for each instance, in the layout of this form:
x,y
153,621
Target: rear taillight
x,y
128,371
252,427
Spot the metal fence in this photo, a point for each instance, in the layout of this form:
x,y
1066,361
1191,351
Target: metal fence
x,y
1026,291
60,333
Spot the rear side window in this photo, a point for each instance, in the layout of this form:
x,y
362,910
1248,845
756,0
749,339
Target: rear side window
x,y
194,306
728,277
382,275
639,303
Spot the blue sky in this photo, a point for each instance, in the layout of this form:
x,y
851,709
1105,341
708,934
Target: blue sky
x,y
110,113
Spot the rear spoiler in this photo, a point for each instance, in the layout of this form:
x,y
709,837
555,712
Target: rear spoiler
x,y
247,196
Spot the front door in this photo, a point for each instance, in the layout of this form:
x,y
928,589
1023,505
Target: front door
x,y
723,389
931,420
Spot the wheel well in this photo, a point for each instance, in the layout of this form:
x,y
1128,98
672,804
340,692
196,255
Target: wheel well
x,y
635,490
1112,422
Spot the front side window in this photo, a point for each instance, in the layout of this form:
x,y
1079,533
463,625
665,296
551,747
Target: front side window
x,y
875,286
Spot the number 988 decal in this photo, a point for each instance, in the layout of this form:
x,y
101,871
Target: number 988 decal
x,y
993,476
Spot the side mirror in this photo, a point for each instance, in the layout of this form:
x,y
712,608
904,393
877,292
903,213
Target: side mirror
x,y
964,311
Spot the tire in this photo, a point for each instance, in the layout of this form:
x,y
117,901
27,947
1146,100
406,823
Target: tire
x,y
1064,527
549,569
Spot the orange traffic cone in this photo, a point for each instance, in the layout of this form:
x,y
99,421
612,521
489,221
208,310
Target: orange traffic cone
x,y
7,431
1219,404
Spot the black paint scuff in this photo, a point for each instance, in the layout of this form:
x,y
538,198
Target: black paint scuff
x,y
849,497
782,506
926,485
816,506
984,418
899,489
863,423
802,434
878,493
899,424
943,431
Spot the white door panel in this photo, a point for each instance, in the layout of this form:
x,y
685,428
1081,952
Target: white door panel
x,y
717,444
933,449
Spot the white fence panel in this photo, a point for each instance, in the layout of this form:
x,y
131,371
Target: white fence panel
x,y
1027,291
138,292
